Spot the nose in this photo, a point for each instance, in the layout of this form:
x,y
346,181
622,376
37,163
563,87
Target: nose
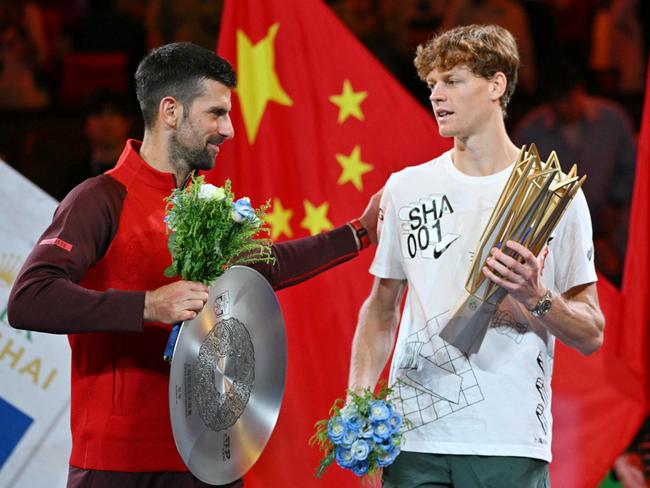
x,y
226,130
437,93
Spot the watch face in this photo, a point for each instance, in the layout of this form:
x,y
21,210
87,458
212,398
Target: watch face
x,y
542,307
545,306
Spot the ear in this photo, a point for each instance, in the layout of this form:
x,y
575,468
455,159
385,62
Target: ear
x,y
498,85
170,111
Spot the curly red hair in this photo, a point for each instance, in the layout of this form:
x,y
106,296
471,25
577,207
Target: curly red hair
x,y
484,49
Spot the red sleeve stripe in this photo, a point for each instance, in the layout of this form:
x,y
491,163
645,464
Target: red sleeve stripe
x,y
57,242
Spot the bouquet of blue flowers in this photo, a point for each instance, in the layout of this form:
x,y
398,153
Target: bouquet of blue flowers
x,y
209,231
362,435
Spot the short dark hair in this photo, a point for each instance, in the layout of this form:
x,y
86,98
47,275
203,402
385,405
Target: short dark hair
x,y
178,70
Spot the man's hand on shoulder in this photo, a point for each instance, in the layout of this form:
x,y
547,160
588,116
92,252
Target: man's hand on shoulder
x,y
176,302
370,215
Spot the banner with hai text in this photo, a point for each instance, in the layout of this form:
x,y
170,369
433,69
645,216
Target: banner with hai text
x,y
34,367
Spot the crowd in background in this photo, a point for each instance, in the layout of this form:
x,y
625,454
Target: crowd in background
x,y
67,100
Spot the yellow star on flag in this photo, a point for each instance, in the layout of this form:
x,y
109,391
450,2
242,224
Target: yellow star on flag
x,y
316,220
349,102
353,168
279,220
258,80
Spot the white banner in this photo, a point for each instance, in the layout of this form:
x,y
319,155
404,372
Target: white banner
x,y
34,367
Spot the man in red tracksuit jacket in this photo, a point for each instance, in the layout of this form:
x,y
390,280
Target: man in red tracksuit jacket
x,y
97,274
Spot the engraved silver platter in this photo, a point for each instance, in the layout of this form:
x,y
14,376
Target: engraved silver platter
x,y
227,378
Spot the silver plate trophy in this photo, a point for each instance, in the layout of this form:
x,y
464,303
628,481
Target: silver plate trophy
x,y
227,378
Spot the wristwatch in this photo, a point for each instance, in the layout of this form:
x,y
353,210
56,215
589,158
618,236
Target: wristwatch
x,y
360,233
543,306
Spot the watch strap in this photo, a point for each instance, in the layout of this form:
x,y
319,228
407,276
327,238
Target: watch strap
x,y
361,233
543,305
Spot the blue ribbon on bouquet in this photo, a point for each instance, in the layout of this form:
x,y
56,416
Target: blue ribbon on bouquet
x,y
171,342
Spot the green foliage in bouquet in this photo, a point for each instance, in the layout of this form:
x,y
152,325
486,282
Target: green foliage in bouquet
x,y
363,435
209,231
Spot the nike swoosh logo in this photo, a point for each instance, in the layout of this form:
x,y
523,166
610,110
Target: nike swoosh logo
x,y
540,362
444,244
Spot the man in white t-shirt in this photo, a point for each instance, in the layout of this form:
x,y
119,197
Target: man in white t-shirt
x,y
484,419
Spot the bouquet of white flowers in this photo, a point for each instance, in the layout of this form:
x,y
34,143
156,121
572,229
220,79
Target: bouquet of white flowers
x,y
363,435
209,231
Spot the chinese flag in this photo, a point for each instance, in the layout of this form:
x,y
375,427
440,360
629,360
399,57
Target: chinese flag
x,y
600,401
319,127
633,340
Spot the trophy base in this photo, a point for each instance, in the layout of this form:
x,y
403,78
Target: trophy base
x,y
470,320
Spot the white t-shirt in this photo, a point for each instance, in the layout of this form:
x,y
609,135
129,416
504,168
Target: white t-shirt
x,y
497,401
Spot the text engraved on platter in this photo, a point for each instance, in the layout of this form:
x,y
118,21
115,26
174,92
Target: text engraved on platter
x,y
224,375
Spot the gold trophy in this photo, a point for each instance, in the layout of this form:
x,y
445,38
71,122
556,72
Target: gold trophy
x,y
534,199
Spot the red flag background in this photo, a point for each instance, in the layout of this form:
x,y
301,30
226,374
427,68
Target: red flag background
x,y
319,127
633,338
600,401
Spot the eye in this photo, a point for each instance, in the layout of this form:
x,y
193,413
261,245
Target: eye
x,y
218,112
